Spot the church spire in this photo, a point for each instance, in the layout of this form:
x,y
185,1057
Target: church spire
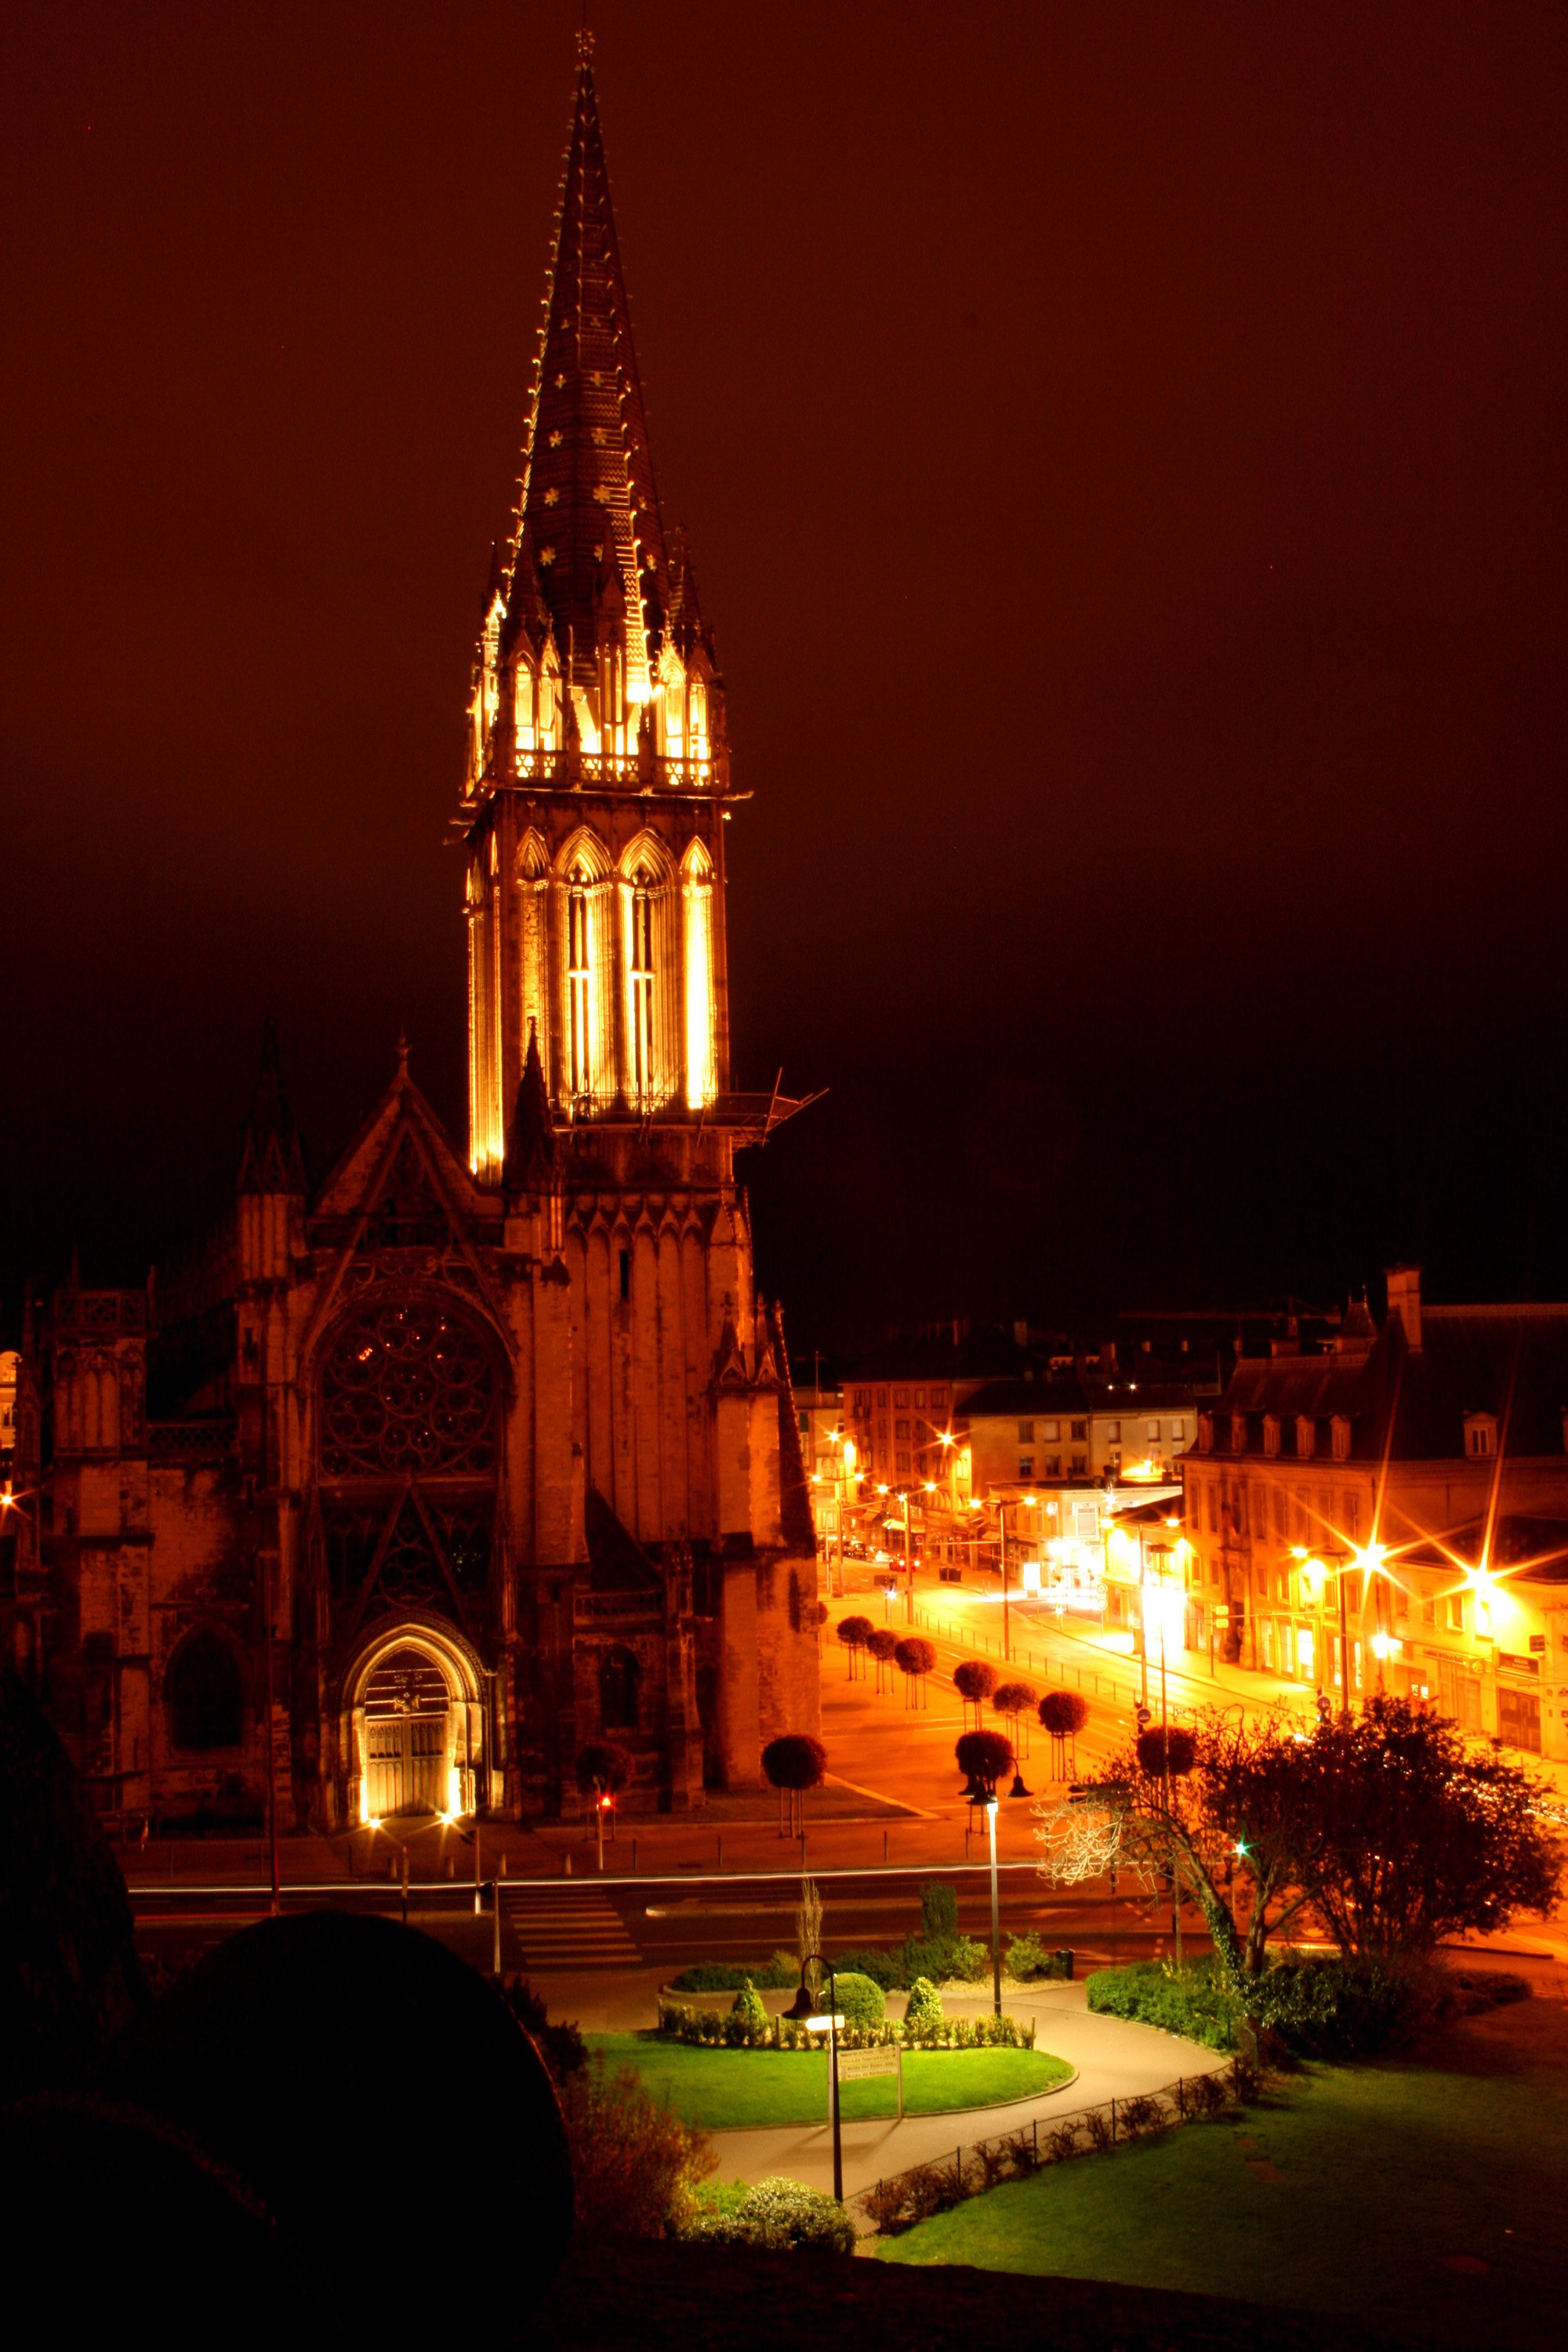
x,y
270,1158
588,540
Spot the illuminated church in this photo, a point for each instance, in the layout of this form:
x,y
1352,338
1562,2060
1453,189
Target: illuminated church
x,y
500,1447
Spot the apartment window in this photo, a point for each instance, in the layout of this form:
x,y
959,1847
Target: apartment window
x,y
1454,1613
1113,1456
1113,1432
881,1400
1271,1434
1050,1430
900,1429
1480,1435
1238,1433
1078,1465
1178,1433
1026,1466
920,1400
1026,1433
1349,1512
1341,1438
1079,1431
1152,1432
901,1465
1213,1510
1428,1613
1053,1466
1306,1436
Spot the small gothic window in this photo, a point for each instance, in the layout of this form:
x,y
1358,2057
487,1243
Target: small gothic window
x,y
618,1677
642,983
204,1693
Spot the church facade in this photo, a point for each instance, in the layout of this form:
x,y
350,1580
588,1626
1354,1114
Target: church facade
x,y
411,1484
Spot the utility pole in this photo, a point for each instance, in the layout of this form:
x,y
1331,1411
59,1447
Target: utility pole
x,y
277,1904
996,1910
1002,1538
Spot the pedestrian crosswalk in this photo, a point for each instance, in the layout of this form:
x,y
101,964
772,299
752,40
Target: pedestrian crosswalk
x,y
560,1928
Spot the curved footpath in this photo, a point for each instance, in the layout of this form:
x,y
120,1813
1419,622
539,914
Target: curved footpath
x,y
1115,2060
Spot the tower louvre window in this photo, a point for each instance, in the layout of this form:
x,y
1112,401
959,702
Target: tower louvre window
x,y
579,981
642,961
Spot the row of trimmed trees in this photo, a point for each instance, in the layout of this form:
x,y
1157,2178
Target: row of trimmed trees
x,y
911,1653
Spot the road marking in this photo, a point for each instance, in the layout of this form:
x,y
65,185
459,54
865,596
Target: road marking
x,y
558,1930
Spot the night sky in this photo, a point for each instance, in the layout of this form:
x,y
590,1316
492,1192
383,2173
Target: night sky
x,y
1123,454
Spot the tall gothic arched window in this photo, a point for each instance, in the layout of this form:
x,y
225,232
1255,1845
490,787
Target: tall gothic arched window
x,y
579,983
619,1675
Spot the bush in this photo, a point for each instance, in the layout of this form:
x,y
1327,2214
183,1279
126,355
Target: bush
x,y
783,2216
984,1756
1156,1746
635,2165
973,1680
1061,2141
796,1760
923,2013
1023,2153
1029,1961
562,2047
1064,1713
1141,2117
958,1958
881,1966
1194,2001
749,2006
1101,2129
1480,1989
859,1998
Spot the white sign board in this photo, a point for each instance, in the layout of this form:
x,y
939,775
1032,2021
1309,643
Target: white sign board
x,y
855,2065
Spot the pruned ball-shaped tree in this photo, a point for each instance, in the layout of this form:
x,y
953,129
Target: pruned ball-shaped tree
x,y
984,1756
604,1767
794,1763
1013,1698
748,2005
914,1657
1167,1747
973,1680
853,1632
880,1645
1064,1713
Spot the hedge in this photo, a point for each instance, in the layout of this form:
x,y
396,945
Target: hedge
x,y
726,1976
711,2029
1317,2008
784,2216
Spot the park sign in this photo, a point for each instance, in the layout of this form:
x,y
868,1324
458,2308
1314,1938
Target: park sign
x,y
856,2065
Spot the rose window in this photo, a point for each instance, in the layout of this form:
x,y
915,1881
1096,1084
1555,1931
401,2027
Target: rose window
x,y
407,1391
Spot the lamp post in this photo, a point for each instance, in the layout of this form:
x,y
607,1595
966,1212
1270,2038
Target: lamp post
x,y
996,1910
908,1558
1002,1545
802,2010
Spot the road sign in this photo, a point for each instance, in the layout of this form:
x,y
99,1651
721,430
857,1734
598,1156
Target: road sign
x,y
856,2065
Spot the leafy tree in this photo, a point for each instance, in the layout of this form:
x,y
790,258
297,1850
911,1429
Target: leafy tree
x,y
1411,1838
1234,1827
853,1632
973,1680
939,1907
984,1756
794,1763
1167,1746
914,1657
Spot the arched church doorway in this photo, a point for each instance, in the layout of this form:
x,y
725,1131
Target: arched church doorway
x,y
407,1742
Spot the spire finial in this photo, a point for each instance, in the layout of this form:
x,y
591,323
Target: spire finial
x,y
585,41
402,1052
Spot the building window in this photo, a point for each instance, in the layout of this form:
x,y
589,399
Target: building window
x,y
1213,1510
1238,1433
1341,1438
1178,1433
1079,1431
1053,1466
900,1429
1026,1433
920,1400
204,1694
1306,1436
1454,1607
1480,1435
579,981
1152,1432
1050,1430
1026,1466
1270,1434
619,1675
1079,1465
1113,1432
881,1400
901,1396
901,1465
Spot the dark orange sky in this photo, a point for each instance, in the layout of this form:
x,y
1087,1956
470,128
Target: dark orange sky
x,y
1122,449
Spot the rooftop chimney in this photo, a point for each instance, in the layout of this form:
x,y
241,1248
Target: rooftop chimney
x,y
1405,1300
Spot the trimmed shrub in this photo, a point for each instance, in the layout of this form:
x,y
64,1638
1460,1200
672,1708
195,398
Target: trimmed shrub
x,y
1015,1699
796,1760
923,2013
749,2005
881,1966
973,1680
983,1756
1064,1713
1155,1745
860,2001
635,2165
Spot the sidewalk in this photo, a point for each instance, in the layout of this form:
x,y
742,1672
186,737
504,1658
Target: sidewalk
x,y
1114,2059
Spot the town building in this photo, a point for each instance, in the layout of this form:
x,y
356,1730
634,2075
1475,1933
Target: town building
x,y
1389,1510
412,1481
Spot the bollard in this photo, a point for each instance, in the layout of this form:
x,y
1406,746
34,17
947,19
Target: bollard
x,y
634,1855
504,1865
884,1849
721,1848
568,1871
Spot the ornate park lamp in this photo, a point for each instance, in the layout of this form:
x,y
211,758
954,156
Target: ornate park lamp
x,y
802,2011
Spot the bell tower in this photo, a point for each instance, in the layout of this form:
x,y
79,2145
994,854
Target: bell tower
x,y
598,777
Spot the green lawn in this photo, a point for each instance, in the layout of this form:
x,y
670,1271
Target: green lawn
x,y
723,2088
1421,2202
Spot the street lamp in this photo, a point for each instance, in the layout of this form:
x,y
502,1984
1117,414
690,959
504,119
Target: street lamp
x,y
802,2010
